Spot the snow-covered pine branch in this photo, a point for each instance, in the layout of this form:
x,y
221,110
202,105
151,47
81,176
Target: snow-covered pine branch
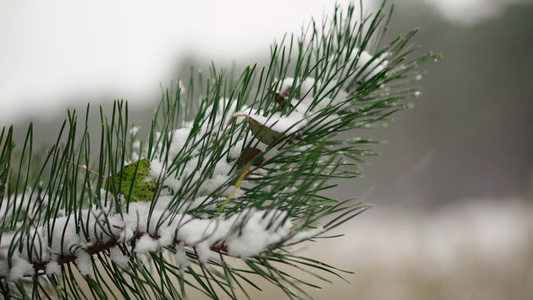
x,y
231,167
209,238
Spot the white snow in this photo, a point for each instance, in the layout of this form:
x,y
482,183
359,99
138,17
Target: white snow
x,y
136,145
7,206
243,235
330,93
369,67
179,138
257,234
180,147
20,268
181,256
204,252
134,130
308,89
53,268
83,262
281,124
305,86
146,244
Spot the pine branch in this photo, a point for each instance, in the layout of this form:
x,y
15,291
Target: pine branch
x,y
231,167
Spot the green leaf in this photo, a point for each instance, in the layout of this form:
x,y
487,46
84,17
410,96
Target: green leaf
x,y
134,182
263,132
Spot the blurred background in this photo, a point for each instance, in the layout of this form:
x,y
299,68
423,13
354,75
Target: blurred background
x,y
453,187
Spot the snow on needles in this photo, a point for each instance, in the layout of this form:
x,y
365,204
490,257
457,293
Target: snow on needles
x,y
243,235
150,227
332,92
281,124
